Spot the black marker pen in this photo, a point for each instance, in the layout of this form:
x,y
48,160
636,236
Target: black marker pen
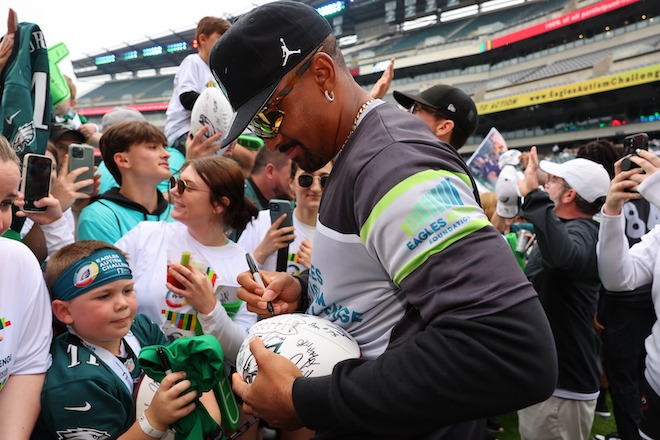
x,y
164,361
255,274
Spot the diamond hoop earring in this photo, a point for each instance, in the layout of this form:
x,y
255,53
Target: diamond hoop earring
x,y
330,96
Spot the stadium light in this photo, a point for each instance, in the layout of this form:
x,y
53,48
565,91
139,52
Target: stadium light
x,y
331,8
177,47
152,51
419,22
348,40
130,55
457,14
494,5
105,59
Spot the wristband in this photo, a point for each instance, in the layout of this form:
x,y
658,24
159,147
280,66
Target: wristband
x,y
146,427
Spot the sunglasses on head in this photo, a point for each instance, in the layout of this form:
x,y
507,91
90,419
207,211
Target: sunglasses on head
x,y
266,123
182,186
306,180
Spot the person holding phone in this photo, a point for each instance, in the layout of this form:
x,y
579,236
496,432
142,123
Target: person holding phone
x,y
25,318
38,205
263,237
625,318
624,269
65,186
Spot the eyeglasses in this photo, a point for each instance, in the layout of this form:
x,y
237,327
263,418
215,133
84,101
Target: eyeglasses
x,y
182,186
416,107
266,123
306,180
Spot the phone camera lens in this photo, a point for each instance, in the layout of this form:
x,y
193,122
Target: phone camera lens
x,y
77,152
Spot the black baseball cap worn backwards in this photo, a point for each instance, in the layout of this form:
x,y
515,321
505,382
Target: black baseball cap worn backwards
x,y
252,57
451,102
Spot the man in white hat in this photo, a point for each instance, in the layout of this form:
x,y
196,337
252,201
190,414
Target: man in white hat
x,y
564,272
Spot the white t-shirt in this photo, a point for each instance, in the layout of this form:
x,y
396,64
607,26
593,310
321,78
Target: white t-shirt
x,y
194,75
25,313
57,234
147,247
622,269
256,230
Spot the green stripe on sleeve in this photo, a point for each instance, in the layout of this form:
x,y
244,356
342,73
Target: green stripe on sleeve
x,y
399,189
419,259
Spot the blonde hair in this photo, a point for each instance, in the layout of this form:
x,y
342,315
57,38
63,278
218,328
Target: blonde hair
x,y
72,87
7,153
489,205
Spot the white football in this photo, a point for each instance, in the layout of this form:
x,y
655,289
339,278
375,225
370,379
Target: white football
x,y
315,345
212,108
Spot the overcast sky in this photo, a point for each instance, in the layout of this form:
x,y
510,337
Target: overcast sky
x,y
86,27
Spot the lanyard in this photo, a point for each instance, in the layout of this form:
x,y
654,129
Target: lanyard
x,y
116,365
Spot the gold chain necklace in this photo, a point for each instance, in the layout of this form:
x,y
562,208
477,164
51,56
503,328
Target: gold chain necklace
x,y
355,124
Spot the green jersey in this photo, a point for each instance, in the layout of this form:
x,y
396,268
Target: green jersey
x,y
85,396
25,103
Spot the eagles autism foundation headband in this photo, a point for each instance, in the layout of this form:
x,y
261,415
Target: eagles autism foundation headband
x,y
102,267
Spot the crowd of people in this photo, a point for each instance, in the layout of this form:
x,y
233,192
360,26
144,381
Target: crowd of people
x,y
465,305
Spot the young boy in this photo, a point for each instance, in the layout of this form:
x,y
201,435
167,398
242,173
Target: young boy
x,y
65,113
193,76
136,156
88,389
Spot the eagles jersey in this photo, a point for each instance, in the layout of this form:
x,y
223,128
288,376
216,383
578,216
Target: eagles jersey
x,y
25,102
82,396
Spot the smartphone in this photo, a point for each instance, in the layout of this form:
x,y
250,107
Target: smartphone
x,y
278,207
35,185
82,155
631,144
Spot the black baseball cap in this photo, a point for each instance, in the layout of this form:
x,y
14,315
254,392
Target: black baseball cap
x,y
251,58
449,101
57,132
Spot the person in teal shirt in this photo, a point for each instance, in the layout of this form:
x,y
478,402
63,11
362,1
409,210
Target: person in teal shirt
x,y
136,155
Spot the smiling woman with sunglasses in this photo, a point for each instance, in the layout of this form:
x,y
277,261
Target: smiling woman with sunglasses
x,y
208,200
263,240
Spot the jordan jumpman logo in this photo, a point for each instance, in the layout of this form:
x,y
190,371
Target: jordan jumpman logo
x,y
286,52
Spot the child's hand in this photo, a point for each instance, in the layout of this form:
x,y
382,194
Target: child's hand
x,y
7,44
172,401
88,130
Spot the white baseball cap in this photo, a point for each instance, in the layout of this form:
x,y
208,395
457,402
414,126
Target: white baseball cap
x,y
506,189
589,179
